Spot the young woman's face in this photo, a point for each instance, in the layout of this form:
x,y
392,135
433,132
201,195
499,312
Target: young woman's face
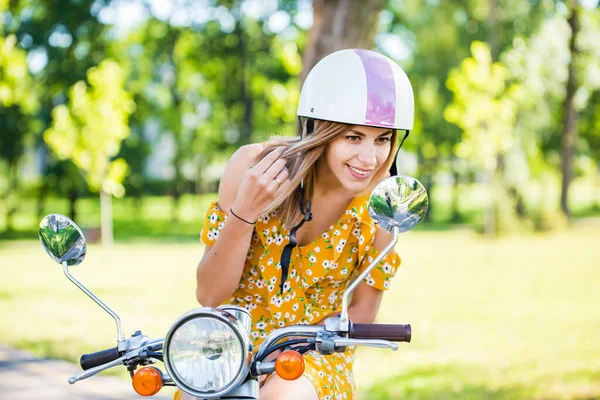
x,y
355,158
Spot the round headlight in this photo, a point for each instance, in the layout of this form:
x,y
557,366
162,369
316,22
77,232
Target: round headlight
x,y
207,352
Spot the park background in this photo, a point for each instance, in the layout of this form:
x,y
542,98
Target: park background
x,y
121,114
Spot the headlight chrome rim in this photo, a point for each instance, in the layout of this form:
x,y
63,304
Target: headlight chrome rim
x,y
238,329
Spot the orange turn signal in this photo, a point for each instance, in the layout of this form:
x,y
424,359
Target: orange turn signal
x,y
289,365
147,381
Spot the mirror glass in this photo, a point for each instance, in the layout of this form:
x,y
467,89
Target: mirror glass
x,y
62,239
398,201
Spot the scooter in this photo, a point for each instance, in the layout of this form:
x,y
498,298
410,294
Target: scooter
x,y
207,352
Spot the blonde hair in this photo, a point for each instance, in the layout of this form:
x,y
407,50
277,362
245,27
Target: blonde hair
x,y
302,155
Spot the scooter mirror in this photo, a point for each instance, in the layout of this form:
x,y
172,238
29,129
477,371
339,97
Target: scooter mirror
x,y
398,201
62,239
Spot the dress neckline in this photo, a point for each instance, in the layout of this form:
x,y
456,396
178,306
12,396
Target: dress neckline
x,y
348,214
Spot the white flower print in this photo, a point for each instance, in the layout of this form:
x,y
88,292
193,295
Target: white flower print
x,y
325,235
344,271
315,279
265,232
386,284
361,239
279,240
269,240
292,318
270,261
288,298
337,233
387,268
279,302
312,259
260,325
339,248
295,307
317,249
210,235
213,218
248,298
371,282
325,263
274,229
308,272
333,265
354,249
216,234
259,284
221,225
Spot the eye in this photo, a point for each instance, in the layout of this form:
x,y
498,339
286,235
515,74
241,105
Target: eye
x,y
384,140
353,138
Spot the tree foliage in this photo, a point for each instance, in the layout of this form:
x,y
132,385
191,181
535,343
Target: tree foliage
x,y
89,129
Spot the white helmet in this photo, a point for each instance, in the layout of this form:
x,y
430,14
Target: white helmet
x,y
359,87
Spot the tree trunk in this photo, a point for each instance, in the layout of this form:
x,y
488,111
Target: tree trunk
x,y
569,133
73,196
12,193
106,219
340,24
245,96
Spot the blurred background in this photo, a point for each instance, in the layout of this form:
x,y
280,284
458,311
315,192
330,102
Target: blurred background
x,y
122,115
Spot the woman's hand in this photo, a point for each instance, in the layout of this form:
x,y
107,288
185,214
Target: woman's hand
x,y
261,185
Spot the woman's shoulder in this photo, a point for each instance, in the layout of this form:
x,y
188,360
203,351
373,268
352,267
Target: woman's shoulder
x,y
241,161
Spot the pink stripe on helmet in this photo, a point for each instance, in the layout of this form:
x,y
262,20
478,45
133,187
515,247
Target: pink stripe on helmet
x,y
381,89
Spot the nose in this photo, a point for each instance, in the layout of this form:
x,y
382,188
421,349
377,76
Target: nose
x,y
368,155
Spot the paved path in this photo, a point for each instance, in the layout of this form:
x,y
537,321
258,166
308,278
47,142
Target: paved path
x,y
24,377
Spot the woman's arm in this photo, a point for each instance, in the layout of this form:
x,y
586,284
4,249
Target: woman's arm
x,y
247,190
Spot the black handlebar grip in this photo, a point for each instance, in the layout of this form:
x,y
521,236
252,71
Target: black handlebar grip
x,y
391,332
92,360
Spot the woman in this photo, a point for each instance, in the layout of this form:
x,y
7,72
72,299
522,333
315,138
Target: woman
x,y
290,265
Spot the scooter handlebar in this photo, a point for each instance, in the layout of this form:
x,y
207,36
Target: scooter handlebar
x,y
391,332
92,360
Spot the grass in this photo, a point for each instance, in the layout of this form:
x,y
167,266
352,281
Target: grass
x,y
150,219
514,318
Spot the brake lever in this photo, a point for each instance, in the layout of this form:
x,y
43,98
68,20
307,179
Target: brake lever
x,y
383,344
95,370
148,344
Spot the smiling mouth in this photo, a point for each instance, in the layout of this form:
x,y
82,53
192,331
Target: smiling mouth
x,y
360,173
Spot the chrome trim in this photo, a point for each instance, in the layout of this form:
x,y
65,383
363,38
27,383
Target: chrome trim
x,y
239,330
240,313
344,321
296,330
121,345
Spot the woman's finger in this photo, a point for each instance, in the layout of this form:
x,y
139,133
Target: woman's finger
x,y
268,160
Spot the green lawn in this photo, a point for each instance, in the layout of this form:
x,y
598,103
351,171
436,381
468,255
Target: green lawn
x,y
515,318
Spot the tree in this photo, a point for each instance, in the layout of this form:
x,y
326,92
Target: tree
x,y
18,105
340,24
485,108
89,131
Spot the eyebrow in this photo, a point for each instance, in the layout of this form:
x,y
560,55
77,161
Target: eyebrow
x,y
388,132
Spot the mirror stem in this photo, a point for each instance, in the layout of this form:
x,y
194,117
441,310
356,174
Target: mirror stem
x,y
344,321
121,345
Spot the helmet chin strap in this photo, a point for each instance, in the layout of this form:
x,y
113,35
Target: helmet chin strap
x,y
393,168
287,250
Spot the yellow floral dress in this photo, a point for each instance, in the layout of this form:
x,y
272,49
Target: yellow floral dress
x,y
319,272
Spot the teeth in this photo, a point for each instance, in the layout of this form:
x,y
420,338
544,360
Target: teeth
x,y
360,172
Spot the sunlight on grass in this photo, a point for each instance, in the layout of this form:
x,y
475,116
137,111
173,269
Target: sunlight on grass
x,y
515,318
